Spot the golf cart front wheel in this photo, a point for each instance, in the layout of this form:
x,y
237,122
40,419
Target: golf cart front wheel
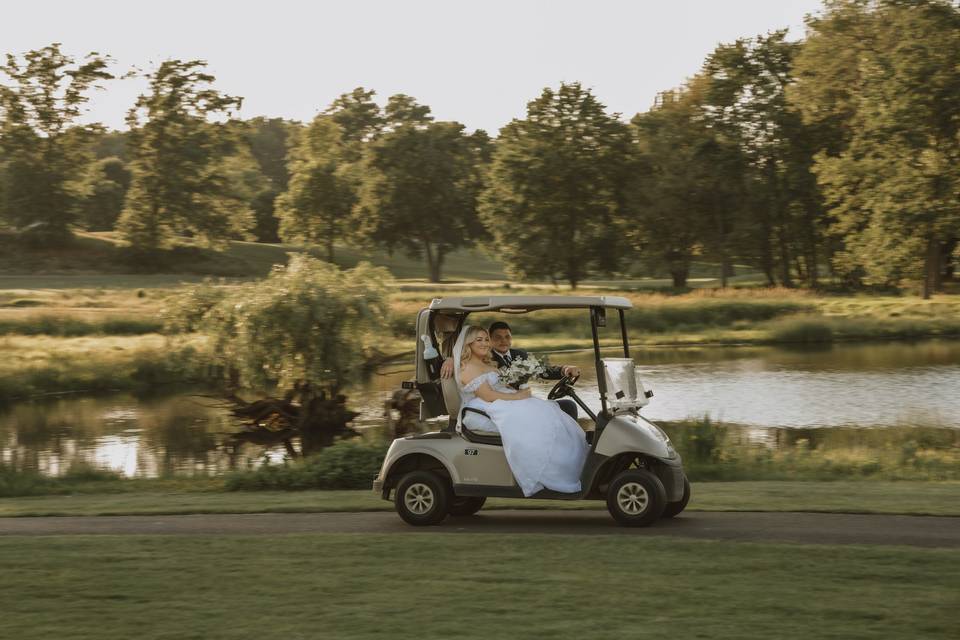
x,y
673,508
466,505
636,498
422,498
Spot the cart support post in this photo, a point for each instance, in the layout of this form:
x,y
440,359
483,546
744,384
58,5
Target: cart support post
x,y
623,334
601,376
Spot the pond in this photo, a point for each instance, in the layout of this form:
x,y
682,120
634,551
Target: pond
x,y
763,388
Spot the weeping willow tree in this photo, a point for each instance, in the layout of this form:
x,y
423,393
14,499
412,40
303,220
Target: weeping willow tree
x,y
304,333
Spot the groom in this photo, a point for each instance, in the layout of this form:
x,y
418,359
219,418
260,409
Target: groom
x,y
501,338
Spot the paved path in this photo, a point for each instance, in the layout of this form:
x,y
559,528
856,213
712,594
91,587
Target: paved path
x,y
811,528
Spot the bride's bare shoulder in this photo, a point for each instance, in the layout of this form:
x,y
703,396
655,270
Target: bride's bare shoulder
x,y
471,370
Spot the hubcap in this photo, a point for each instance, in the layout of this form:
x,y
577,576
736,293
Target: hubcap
x,y
418,498
633,498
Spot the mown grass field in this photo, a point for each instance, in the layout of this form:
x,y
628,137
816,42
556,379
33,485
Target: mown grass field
x,y
432,585
146,497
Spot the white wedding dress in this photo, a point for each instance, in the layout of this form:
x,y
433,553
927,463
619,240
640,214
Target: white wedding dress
x,y
545,447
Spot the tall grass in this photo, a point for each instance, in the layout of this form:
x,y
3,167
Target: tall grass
x,y
69,327
27,482
141,372
810,329
713,451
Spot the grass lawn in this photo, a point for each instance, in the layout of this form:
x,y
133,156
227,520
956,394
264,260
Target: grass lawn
x,y
918,498
429,585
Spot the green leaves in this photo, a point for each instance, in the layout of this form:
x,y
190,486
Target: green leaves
x,y
321,192
180,184
307,321
892,183
43,151
555,185
419,183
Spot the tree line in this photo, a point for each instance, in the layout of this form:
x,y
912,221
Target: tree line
x,y
833,158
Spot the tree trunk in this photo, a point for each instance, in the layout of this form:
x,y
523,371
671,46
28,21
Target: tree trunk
x,y
939,257
813,274
931,263
722,244
946,260
438,262
432,267
768,271
785,277
799,267
154,229
679,278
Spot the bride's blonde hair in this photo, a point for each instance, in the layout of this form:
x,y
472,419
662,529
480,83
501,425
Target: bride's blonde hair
x,y
469,337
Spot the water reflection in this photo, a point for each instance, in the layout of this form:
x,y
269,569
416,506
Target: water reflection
x,y
149,437
800,389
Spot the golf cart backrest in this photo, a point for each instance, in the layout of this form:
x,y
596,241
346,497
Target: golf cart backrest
x,y
438,397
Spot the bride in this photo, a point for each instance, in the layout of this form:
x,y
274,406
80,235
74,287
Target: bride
x,y
545,447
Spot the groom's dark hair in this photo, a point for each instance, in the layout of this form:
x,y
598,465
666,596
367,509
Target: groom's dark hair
x,y
499,324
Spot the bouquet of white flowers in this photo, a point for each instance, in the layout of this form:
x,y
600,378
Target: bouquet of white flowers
x,y
521,370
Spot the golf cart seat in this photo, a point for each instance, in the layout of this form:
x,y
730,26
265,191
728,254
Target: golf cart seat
x,y
475,425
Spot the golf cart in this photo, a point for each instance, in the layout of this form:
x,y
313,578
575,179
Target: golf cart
x,y
631,464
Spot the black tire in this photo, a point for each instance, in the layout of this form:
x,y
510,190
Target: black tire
x,y
422,498
673,508
466,505
636,498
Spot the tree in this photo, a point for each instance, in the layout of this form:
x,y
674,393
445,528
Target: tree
x,y
666,228
269,139
106,189
555,187
419,186
44,154
246,184
307,331
892,185
320,195
359,119
178,183
111,144
780,221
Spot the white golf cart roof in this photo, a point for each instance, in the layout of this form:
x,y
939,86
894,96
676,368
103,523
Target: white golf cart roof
x,y
521,304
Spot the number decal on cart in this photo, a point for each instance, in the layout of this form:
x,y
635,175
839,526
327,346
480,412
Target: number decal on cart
x,y
471,452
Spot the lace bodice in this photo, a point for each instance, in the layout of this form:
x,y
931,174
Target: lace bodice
x,y
469,390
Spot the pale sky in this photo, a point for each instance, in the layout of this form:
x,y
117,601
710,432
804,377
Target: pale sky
x,y
476,62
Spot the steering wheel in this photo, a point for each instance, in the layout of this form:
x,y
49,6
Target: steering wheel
x,y
562,387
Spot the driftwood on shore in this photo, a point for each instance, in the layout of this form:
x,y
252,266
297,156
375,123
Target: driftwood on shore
x,y
315,416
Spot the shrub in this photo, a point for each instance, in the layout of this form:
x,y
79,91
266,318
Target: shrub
x,y
803,330
16,481
345,465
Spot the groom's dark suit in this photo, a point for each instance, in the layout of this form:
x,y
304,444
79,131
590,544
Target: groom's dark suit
x,y
551,373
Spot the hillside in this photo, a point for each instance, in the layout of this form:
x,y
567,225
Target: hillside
x,y
94,259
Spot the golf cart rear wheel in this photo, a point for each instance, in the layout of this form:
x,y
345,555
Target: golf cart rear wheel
x,y
466,506
636,498
673,508
422,498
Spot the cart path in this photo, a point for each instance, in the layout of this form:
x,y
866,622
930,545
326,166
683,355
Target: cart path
x,y
808,528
